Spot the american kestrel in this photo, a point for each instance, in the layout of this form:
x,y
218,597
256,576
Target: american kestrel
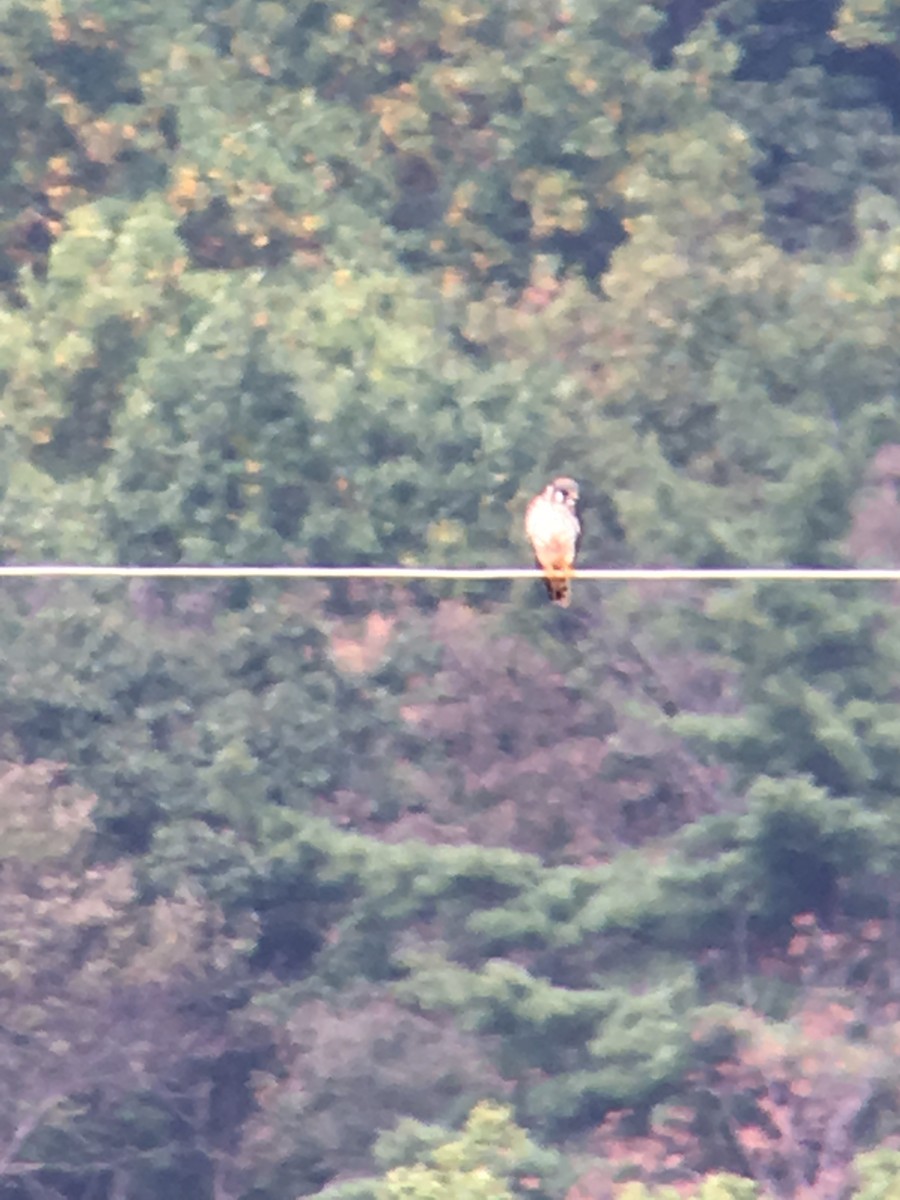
x,y
554,530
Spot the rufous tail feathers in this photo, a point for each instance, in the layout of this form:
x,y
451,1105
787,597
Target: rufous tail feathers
x,y
559,590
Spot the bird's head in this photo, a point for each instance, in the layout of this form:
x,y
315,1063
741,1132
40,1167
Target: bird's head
x,y
564,491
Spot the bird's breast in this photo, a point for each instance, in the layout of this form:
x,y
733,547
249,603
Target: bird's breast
x,y
548,524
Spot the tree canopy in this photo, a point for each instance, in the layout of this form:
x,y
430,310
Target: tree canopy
x,y
383,892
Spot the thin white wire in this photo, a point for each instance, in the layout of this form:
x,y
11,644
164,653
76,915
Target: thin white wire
x,y
605,574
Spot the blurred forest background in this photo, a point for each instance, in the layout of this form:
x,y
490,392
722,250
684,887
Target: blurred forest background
x,y
442,893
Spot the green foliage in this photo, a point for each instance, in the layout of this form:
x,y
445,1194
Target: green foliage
x,y
879,1173
715,1187
595,1049
492,1159
346,284
264,737
862,24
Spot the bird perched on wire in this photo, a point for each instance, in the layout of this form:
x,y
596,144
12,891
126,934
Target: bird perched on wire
x,y
554,530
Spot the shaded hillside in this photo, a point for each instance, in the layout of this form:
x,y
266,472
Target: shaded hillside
x,y
388,893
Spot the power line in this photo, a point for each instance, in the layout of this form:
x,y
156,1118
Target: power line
x,y
483,574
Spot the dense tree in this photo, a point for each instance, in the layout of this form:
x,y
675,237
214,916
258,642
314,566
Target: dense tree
x,y
107,1006
286,866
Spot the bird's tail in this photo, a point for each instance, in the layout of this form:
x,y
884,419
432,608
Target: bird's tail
x,y
559,590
